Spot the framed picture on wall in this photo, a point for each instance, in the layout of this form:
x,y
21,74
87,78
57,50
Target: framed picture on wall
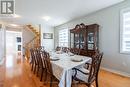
x,y
18,39
19,47
47,35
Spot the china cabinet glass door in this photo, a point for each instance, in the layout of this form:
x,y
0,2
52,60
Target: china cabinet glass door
x,y
82,40
76,41
72,40
90,40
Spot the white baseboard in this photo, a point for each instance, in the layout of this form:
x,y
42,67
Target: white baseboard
x,y
116,72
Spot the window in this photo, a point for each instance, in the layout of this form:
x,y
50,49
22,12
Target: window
x,y
125,31
63,38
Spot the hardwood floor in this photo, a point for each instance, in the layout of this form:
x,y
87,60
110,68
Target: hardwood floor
x,y
17,73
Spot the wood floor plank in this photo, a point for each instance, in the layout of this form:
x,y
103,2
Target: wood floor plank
x,y
19,75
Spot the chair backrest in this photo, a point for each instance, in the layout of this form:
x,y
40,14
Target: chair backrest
x,y
58,48
48,63
40,57
43,57
37,55
41,48
75,51
65,49
96,61
32,55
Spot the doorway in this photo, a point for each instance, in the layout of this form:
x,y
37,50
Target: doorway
x,y
14,45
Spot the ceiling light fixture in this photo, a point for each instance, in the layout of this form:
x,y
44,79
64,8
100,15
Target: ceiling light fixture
x,y
14,25
16,16
46,18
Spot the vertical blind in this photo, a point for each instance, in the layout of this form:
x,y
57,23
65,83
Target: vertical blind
x,y
125,32
63,38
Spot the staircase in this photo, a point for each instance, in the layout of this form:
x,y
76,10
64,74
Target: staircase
x,y
35,42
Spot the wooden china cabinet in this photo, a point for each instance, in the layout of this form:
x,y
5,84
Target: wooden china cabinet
x,y
85,38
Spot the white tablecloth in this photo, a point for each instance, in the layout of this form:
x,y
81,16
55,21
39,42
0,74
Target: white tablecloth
x,y
62,69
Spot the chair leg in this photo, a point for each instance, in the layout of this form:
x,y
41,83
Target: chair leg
x,y
51,81
89,85
41,75
45,75
75,85
32,67
37,70
97,81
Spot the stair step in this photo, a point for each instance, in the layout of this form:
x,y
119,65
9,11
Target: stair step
x,y
33,30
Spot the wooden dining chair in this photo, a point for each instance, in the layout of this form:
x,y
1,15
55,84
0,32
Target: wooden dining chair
x,y
88,64
32,58
88,76
58,48
39,59
36,67
43,67
41,48
75,51
65,49
48,66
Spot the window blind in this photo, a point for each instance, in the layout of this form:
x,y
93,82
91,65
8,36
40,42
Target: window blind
x,y
63,38
125,32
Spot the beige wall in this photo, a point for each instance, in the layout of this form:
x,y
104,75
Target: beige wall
x,y
109,22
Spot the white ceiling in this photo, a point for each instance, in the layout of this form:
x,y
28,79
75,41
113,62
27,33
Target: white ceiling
x,y
60,11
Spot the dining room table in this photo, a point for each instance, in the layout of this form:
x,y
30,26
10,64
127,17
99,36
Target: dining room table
x,y
62,65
